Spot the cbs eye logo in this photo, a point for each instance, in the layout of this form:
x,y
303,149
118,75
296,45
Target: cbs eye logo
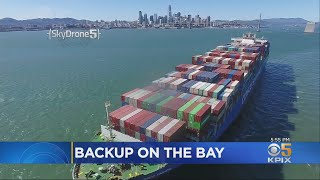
x,y
274,150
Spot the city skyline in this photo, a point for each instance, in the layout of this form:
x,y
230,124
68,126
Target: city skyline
x,y
127,10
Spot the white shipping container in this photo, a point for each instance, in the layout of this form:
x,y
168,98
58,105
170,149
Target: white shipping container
x,y
123,119
211,101
237,62
129,97
165,129
190,75
205,91
234,85
155,124
192,66
135,99
226,60
225,97
192,87
137,135
196,89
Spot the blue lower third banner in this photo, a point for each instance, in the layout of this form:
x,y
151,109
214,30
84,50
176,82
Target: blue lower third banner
x,y
35,152
154,153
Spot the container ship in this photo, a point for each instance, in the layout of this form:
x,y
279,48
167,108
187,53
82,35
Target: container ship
x,y
196,102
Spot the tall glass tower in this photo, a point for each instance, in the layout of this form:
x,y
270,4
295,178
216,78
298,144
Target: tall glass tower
x,y
140,17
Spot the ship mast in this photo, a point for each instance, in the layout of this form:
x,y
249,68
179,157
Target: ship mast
x,y
109,124
258,30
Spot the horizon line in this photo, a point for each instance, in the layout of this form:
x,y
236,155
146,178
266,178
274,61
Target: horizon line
x,y
137,20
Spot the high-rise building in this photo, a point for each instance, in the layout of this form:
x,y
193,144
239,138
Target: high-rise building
x,y
140,17
169,11
178,14
145,19
155,18
208,21
189,18
151,19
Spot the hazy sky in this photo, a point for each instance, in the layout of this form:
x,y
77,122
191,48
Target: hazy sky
x,y
128,9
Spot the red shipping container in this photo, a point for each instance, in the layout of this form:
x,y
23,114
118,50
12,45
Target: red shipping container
x,y
219,107
210,91
225,66
115,118
154,132
127,93
164,108
142,137
220,60
133,123
239,75
138,124
175,132
221,82
202,113
188,110
134,118
205,100
118,110
117,127
195,75
175,106
209,59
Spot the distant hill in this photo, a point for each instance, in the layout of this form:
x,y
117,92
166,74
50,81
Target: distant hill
x,y
276,22
41,21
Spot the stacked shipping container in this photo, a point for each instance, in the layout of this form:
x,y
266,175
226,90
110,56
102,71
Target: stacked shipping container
x,y
146,125
196,97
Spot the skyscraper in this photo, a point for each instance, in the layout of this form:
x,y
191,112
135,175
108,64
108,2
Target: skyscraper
x,y
155,18
145,19
140,17
189,18
169,15
208,21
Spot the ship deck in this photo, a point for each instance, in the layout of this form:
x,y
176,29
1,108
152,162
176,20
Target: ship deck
x,y
102,171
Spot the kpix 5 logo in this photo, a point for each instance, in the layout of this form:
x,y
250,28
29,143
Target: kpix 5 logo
x,y
279,153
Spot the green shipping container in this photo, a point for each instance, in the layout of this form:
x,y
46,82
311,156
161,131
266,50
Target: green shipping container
x,y
218,91
203,88
193,113
160,104
183,108
197,125
146,102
